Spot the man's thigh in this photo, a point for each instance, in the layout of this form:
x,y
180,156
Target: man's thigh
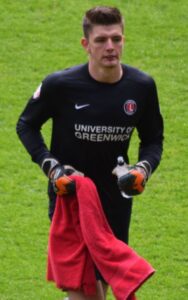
x,y
100,293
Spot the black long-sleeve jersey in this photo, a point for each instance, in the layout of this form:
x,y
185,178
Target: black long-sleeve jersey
x,y
93,123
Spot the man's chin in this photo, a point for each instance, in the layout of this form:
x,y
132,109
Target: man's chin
x,y
111,65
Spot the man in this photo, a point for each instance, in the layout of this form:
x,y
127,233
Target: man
x,y
94,108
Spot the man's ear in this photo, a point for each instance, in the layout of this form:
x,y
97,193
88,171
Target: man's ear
x,y
85,44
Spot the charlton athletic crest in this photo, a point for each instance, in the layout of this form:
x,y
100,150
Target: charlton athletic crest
x,y
130,107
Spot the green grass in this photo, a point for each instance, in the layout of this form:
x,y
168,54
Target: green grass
x,y
38,37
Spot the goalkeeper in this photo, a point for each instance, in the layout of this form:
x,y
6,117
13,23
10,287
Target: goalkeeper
x,y
94,108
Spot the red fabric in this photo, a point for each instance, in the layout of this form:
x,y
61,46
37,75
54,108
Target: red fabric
x,y
80,238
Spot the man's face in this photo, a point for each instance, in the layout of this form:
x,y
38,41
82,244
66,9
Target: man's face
x,y
104,45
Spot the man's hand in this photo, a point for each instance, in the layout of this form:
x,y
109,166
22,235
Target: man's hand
x,y
133,182
132,179
62,183
59,176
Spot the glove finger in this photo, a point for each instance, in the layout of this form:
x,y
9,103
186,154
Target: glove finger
x,y
64,186
139,181
132,183
69,170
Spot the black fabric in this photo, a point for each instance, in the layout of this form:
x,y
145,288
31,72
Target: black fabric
x,y
92,124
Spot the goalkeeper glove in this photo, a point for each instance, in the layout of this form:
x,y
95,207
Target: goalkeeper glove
x,y
131,179
59,176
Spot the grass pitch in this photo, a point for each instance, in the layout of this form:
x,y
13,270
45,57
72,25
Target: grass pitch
x,y
39,37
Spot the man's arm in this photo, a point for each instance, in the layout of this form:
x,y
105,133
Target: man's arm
x,y
37,111
132,179
35,114
150,130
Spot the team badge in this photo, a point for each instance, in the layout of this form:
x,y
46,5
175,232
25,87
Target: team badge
x,y
130,107
37,92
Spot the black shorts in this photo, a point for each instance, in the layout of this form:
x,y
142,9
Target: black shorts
x,y
119,222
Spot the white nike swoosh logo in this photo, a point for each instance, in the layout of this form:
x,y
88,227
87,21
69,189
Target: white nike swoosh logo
x,y
81,106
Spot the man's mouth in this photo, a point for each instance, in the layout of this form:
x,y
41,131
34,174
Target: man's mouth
x,y
110,57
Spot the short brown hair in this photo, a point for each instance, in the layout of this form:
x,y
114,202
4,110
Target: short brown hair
x,y
101,15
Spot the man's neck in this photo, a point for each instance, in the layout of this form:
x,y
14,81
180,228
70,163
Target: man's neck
x,y
106,75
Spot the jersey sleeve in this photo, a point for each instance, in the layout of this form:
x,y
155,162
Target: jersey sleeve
x,y
150,129
37,111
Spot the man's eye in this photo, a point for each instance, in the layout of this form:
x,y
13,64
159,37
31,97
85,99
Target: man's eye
x,y
114,39
117,39
100,40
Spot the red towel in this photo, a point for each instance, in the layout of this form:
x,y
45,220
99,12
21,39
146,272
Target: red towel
x,y
80,238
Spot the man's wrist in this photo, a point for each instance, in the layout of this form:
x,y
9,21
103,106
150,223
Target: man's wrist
x,y
145,165
48,165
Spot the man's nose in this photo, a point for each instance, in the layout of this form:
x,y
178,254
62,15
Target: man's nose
x,y
109,44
